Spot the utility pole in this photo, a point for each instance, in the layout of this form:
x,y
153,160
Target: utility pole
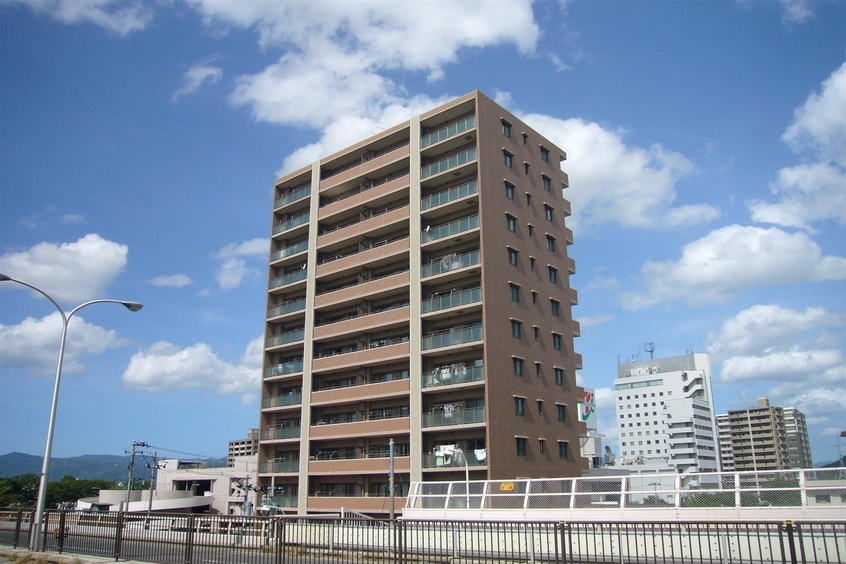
x,y
135,444
153,468
391,478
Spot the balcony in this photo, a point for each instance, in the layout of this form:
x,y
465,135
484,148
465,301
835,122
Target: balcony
x,y
279,433
457,416
377,353
452,336
448,131
290,223
454,298
387,318
288,337
289,251
456,460
449,263
449,195
279,466
374,287
449,229
282,401
288,279
448,163
366,223
358,465
290,306
453,374
286,367
366,428
363,193
292,196
368,163
362,392
367,255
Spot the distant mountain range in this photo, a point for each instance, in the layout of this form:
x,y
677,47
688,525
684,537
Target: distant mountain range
x,y
85,467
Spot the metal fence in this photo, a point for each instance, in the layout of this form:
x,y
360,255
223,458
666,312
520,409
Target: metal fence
x,y
200,538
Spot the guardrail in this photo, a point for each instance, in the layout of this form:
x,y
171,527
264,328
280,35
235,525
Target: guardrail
x,y
236,539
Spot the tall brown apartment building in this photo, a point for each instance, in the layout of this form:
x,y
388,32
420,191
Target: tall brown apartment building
x,y
759,438
419,294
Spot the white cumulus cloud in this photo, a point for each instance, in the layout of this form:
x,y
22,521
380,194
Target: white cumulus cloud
x,y
195,77
171,281
234,268
32,346
115,16
165,367
731,259
69,272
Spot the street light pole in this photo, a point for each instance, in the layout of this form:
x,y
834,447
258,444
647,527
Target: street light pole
x,y
48,449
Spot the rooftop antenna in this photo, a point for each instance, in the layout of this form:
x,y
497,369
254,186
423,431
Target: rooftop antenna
x,y
650,348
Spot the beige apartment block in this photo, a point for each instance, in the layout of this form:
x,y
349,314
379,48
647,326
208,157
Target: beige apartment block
x,y
759,438
419,294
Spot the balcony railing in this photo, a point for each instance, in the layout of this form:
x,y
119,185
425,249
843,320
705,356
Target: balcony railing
x,y
281,433
291,223
454,193
279,466
457,416
453,374
355,348
449,229
290,250
452,299
448,131
286,337
457,459
289,306
452,161
287,367
292,196
450,262
452,336
283,400
289,278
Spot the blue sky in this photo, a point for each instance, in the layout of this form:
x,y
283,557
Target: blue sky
x,y
139,143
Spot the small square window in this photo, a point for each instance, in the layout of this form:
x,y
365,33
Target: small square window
x,y
508,159
510,222
521,446
562,412
555,307
517,365
556,341
516,329
544,155
519,406
547,183
512,257
509,190
559,376
553,274
562,450
514,292
506,128
550,243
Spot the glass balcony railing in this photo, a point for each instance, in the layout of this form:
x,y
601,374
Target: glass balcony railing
x,y
454,193
448,375
453,336
452,161
280,466
283,400
450,130
289,278
452,299
281,501
292,196
290,250
291,223
281,433
457,416
449,229
286,367
450,262
456,459
286,337
287,307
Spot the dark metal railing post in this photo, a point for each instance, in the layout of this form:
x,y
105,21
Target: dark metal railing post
x,y
566,540
279,532
60,532
118,534
189,540
791,541
18,527
396,541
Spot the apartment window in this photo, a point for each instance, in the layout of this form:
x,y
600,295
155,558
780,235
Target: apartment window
x,y
528,199
519,406
532,263
547,212
541,444
514,292
525,139
555,307
509,190
517,366
562,412
550,243
559,376
544,154
531,230
508,159
516,328
553,274
526,166
562,449
547,183
540,407
538,366
506,129
512,256
521,446
556,341
537,332
511,222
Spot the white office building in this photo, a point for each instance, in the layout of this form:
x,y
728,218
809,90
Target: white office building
x,y
665,414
